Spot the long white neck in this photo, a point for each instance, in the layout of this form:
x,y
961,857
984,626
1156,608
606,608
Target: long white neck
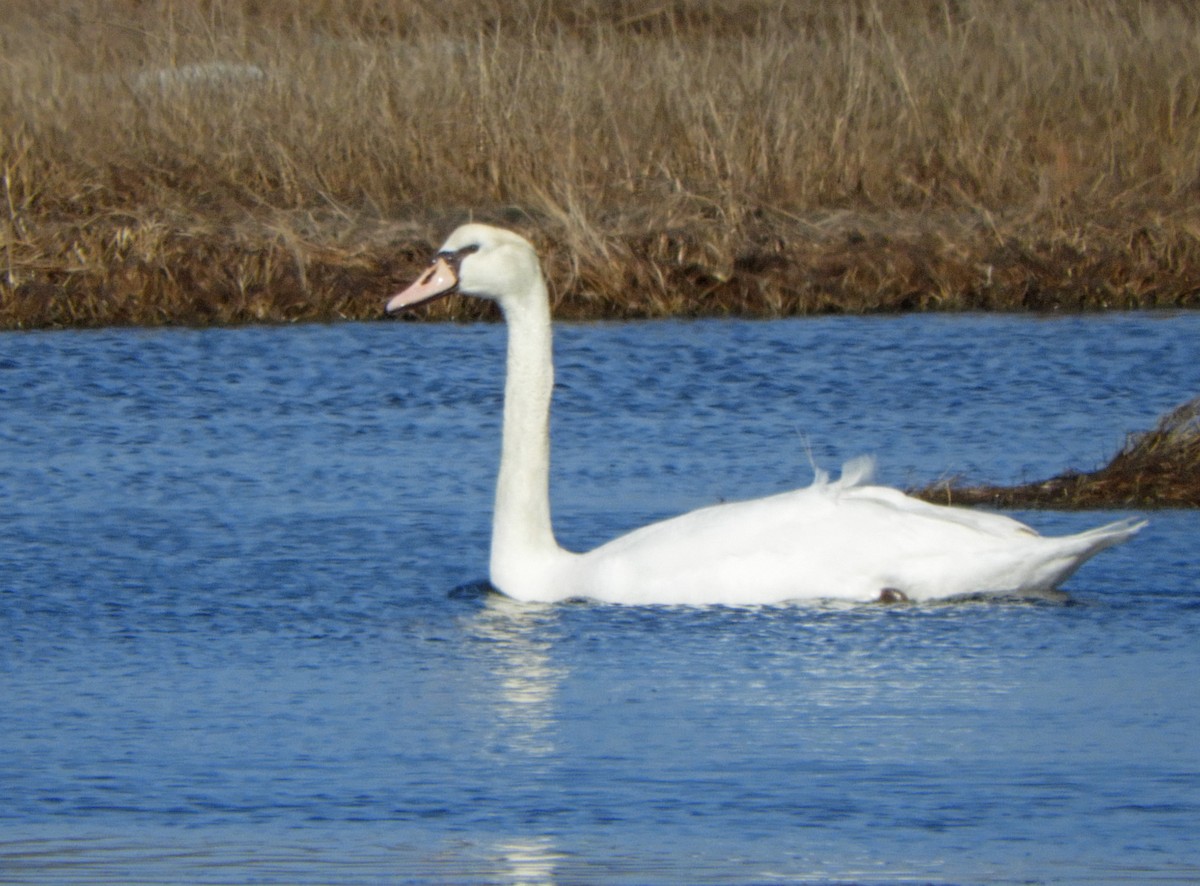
x,y
522,536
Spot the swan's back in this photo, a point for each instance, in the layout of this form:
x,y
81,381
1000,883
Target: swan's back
x,y
846,540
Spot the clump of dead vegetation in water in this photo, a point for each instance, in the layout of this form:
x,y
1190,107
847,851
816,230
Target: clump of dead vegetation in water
x,y
232,161
1159,468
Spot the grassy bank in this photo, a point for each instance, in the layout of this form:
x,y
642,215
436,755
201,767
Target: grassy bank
x,y
234,161
1159,468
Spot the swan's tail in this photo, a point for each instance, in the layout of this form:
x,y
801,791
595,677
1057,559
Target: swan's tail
x,y
1092,541
1072,551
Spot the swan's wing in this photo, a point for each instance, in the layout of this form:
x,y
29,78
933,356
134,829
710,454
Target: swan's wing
x,y
855,484
987,522
823,541
829,540
738,552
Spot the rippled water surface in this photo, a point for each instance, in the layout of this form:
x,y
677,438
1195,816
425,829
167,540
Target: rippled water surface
x,y
244,640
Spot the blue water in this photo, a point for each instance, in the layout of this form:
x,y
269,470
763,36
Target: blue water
x,y
244,640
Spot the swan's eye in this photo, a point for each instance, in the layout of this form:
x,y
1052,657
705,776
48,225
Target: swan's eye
x,y
455,258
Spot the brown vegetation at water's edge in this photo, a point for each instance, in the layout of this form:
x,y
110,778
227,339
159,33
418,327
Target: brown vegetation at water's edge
x,y
231,161
1156,469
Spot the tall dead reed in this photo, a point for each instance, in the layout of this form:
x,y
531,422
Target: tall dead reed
x,y
232,161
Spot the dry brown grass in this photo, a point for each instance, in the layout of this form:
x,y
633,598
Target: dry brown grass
x,y
1156,469
234,161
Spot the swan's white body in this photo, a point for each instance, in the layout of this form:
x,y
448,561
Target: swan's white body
x,y
846,540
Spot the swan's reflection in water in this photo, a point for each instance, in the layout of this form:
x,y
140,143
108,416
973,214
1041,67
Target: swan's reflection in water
x,y
521,685
527,861
519,638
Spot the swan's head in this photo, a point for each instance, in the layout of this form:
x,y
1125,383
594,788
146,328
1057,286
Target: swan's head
x,y
476,260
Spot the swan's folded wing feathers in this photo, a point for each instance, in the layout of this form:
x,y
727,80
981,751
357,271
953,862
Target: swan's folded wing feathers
x,y
821,541
855,484
983,521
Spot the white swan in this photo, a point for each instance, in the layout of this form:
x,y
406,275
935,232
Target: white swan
x,y
832,540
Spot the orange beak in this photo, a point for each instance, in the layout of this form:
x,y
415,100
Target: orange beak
x,y
440,279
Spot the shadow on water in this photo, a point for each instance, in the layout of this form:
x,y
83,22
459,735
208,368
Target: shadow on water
x,y
475,590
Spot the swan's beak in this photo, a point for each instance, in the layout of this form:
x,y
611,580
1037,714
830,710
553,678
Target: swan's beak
x,y
438,280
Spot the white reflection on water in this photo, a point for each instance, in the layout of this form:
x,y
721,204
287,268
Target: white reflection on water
x,y
525,679
527,861
526,682
171,858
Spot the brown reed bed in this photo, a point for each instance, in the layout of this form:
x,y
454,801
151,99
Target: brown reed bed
x,y
230,161
1159,468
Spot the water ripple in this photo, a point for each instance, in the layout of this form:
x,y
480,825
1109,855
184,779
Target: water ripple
x,y
239,646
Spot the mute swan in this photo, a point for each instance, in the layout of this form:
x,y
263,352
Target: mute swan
x,y
843,539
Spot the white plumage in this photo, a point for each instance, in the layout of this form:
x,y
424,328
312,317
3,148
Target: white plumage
x,y
844,539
